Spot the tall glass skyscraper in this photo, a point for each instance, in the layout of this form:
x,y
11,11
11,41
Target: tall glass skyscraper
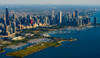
x,y
7,16
59,17
76,13
95,20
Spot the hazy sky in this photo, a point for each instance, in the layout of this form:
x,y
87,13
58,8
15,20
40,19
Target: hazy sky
x,y
76,2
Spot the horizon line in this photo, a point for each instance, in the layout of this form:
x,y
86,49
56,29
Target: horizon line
x,y
55,4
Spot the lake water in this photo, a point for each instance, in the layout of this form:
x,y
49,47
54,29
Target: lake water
x,y
97,14
87,45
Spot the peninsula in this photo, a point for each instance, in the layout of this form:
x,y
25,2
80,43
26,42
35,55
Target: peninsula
x,y
53,42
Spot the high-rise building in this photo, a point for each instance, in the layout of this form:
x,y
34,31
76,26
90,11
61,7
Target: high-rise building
x,y
4,19
73,15
31,21
13,17
14,27
53,18
7,16
59,18
38,21
20,26
80,22
5,26
95,20
53,14
76,13
29,17
9,28
69,17
46,22
5,29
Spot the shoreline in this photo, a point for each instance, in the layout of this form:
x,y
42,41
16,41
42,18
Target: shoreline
x,y
2,51
59,42
67,40
38,48
29,50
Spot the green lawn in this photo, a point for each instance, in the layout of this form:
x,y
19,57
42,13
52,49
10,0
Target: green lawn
x,y
33,49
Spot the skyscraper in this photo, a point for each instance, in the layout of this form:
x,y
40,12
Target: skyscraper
x,y
5,26
59,18
31,21
76,13
95,20
7,16
52,18
14,27
38,21
53,14
73,15
80,22
46,22
4,19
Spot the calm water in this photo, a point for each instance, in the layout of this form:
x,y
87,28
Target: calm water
x,y
87,45
97,14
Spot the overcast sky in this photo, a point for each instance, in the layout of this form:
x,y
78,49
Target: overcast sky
x,y
69,2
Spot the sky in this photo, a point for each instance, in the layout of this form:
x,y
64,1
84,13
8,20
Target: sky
x,y
55,2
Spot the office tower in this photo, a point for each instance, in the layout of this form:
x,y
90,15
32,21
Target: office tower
x,y
73,15
63,20
76,14
87,20
38,21
29,17
20,26
14,27
53,18
95,20
13,17
50,18
31,21
5,29
53,15
9,28
59,18
9,22
46,20
7,16
69,17
5,26
4,19
80,22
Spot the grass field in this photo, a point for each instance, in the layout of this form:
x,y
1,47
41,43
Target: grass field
x,y
32,49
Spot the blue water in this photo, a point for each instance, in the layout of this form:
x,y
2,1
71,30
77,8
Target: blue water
x,y
87,45
96,14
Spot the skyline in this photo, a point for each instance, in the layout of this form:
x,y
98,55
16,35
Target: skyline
x,y
52,2
29,30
